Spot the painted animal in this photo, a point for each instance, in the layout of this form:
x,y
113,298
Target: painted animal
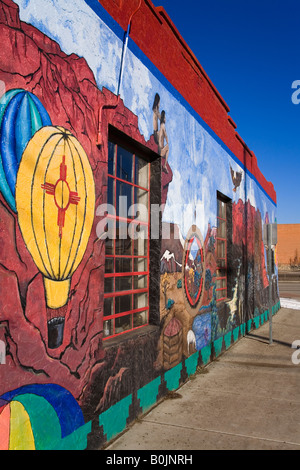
x,y
236,178
233,303
191,339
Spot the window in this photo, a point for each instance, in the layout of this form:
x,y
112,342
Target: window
x,y
126,285
222,247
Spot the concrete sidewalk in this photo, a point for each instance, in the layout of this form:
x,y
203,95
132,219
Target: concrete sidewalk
x,y
248,399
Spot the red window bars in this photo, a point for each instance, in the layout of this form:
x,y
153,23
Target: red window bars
x,y
221,270
126,285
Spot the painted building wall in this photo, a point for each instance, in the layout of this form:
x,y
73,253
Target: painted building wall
x,y
58,77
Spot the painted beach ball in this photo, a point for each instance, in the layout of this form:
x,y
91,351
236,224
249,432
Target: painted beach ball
x,y
37,417
21,115
55,199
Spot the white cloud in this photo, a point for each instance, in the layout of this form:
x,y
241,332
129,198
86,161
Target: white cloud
x,y
63,22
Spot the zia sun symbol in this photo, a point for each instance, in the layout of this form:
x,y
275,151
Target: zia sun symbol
x,y
63,196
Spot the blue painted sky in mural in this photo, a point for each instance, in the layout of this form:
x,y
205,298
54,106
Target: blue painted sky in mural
x,y
250,52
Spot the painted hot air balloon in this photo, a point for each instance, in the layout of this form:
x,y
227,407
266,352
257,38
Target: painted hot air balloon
x,y
21,115
55,199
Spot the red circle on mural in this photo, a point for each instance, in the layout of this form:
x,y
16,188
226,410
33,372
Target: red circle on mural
x,y
193,270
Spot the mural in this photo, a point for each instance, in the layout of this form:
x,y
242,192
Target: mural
x,y
61,384
49,324
160,132
21,115
236,177
202,329
25,412
2,352
193,268
56,230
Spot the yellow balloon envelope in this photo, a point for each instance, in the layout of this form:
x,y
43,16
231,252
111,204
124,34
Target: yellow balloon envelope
x,y
55,198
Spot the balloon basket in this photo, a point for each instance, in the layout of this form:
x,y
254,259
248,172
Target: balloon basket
x,y
55,332
56,324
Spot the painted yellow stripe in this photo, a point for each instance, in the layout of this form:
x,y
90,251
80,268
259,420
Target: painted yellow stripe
x,y
29,180
21,435
86,207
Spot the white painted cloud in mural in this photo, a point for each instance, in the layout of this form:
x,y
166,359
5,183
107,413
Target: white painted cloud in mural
x,y
202,167
63,22
251,192
136,89
173,208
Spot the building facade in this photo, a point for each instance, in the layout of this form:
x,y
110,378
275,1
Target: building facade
x,y
131,220
288,248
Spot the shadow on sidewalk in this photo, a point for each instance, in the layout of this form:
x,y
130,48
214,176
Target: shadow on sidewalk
x,y
265,339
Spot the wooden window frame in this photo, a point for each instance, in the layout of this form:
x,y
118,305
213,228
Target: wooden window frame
x,y
219,267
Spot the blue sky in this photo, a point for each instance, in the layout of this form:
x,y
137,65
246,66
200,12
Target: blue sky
x,y
250,51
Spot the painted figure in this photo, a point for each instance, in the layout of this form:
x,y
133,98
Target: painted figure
x,y
163,149
156,116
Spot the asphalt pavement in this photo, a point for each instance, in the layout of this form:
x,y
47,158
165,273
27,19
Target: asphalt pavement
x,y
289,288
247,399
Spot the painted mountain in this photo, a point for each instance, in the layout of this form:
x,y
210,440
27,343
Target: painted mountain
x,y
171,249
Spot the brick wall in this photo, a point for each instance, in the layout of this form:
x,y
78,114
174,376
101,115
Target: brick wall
x,y
288,248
